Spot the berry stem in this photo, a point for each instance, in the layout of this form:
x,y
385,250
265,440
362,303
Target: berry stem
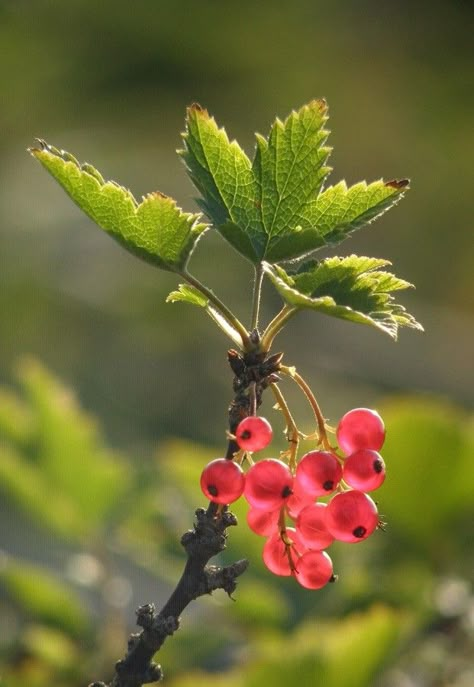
x,y
282,526
322,435
286,540
276,325
292,432
223,310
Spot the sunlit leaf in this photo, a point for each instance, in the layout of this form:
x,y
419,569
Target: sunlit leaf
x,y
352,288
275,209
222,172
189,294
155,230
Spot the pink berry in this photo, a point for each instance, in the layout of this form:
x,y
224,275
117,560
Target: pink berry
x,y
314,570
280,558
262,522
253,433
351,516
364,470
268,484
311,526
222,481
318,474
360,428
296,502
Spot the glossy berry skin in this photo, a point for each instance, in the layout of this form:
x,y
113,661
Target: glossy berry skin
x,y
222,481
364,470
314,569
276,554
253,433
268,484
296,502
311,526
360,428
264,523
318,474
351,516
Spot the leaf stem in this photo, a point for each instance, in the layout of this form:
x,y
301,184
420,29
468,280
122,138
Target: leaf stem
x,y
257,292
276,325
322,434
226,313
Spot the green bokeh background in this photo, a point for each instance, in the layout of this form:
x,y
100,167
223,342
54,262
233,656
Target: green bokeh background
x,y
110,81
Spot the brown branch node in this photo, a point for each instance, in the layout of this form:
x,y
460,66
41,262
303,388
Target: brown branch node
x,y
206,539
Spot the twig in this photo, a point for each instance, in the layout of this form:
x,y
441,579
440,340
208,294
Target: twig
x,y
205,540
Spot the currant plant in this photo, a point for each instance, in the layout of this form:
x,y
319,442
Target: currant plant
x,y
276,212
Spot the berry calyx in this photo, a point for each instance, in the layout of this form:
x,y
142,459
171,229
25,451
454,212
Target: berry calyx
x,y
318,474
360,428
364,470
311,526
253,433
268,484
351,516
222,481
314,570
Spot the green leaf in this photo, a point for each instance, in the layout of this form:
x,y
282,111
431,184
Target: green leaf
x,y
274,209
336,213
222,172
189,294
155,230
50,646
290,169
44,596
16,421
64,476
341,210
348,652
31,491
352,288
429,443
70,449
371,640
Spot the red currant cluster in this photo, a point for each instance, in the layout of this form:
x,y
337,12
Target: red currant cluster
x,y
276,492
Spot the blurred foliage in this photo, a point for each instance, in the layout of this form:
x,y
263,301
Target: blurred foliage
x,y
394,591
111,81
53,450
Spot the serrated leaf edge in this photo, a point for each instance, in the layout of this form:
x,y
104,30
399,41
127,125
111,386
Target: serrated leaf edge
x,y
197,227
392,319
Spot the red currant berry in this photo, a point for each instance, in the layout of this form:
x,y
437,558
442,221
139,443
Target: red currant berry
x,y
268,484
318,474
253,433
222,481
360,428
311,526
314,569
364,470
296,502
351,516
263,522
281,558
